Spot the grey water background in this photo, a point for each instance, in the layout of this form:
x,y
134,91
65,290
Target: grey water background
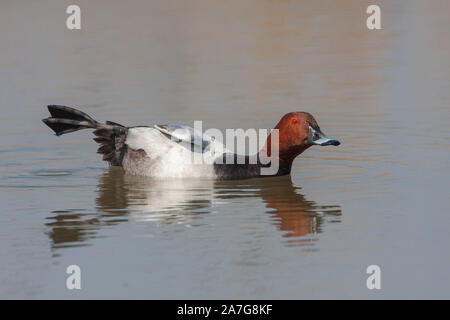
x,y
382,197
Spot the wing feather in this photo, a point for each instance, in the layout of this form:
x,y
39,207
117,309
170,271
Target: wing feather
x,y
179,133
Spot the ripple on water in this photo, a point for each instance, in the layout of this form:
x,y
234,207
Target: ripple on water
x,y
52,173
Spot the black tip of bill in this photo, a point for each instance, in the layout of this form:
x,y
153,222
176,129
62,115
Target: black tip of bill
x,y
330,142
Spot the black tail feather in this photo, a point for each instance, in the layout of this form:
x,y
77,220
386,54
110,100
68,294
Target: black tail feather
x,y
111,136
65,120
63,112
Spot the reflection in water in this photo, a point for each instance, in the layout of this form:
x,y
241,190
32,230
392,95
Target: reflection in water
x,y
292,213
123,198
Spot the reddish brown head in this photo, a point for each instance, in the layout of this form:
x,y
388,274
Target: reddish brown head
x,y
297,132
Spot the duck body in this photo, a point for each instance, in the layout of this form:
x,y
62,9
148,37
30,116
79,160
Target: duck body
x,y
162,157
151,152
176,151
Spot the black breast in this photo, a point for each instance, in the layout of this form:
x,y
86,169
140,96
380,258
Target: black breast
x,y
242,167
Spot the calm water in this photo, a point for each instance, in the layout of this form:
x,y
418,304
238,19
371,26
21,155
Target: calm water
x,y
382,197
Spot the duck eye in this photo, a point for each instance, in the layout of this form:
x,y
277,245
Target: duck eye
x,y
316,136
294,121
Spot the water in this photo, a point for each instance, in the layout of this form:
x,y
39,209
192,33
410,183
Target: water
x,y
382,197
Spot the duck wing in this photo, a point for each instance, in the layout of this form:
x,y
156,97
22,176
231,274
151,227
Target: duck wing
x,y
188,135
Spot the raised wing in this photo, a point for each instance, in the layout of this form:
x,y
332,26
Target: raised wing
x,y
179,133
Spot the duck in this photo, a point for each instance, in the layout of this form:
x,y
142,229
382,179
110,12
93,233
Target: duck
x,y
166,150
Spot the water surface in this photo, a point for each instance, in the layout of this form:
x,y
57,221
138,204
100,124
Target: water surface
x,y
382,197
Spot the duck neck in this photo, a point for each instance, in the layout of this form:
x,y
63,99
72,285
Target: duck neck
x,y
286,155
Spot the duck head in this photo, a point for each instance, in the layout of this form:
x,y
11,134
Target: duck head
x,y
297,132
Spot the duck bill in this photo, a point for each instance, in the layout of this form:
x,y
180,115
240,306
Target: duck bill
x,y
324,141
317,137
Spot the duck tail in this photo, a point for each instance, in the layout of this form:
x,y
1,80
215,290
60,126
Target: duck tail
x,y
110,136
65,120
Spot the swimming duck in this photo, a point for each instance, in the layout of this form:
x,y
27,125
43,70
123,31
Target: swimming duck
x,y
165,151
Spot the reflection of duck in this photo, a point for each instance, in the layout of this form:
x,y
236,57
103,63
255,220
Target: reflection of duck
x,y
149,199
292,212
123,197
